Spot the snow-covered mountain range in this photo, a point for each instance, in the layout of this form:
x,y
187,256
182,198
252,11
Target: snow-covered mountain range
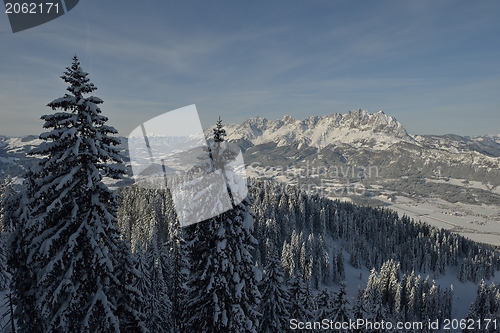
x,y
357,128
357,139
450,181
361,138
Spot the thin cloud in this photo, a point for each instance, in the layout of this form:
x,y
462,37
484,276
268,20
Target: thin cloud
x,y
242,60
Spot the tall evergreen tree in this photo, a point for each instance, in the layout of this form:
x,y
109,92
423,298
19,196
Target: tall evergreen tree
x,y
4,274
219,131
143,282
223,294
160,306
177,274
485,306
302,304
324,304
130,301
340,311
373,299
275,296
8,202
360,309
23,279
67,278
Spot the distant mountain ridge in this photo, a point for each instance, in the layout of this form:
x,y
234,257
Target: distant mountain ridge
x,y
357,138
356,127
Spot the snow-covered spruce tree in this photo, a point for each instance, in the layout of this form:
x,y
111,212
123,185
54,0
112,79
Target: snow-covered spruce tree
x,y
143,282
324,305
287,260
340,306
206,286
9,204
275,298
222,288
359,310
23,277
10,208
486,307
130,301
4,274
373,299
160,307
177,267
302,305
69,242
9,201
219,131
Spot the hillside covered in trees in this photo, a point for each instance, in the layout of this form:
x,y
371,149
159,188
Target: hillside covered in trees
x,y
305,245
76,256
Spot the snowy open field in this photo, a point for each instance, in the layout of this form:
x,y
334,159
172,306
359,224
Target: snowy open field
x,y
470,184
479,223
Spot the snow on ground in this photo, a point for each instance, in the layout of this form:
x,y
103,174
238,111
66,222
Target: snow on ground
x,y
463,293
479,223
471,184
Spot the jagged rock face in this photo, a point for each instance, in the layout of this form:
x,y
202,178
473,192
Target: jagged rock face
x,y
359,138
356,128
377,122
355,138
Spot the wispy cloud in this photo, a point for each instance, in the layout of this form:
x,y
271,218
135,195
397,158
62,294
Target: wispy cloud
x,y
268,59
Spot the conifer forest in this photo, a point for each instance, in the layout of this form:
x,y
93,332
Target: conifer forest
x,y
79,255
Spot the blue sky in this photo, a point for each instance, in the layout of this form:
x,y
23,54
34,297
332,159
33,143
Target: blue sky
x,y
434,65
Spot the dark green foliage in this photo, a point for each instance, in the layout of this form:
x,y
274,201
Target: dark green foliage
x,y
275,296
66,248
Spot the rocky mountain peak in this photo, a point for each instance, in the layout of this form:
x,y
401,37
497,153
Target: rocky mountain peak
x,y
288,119
357,127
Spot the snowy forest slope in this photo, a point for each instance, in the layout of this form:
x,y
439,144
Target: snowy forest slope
x,y
325,244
